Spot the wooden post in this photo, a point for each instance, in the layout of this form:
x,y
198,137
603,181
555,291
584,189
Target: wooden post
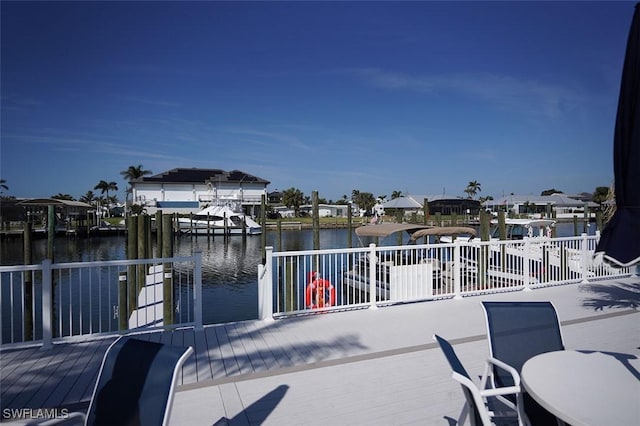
x,y
315,220
132,253
279,245
244,227
226,226
159,233
585,225
167,281
28,284
142,252
425,208
575,225
349,227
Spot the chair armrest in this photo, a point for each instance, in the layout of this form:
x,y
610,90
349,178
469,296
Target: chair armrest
x,y
488,373
506,367
508,390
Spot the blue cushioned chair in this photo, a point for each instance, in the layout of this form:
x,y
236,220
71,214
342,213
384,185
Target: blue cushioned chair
x,y
479,401
136,384
516,332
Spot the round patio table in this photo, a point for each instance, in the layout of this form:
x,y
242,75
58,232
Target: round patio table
x,y
585,387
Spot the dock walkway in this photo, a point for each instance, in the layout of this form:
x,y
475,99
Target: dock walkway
x,y
372,366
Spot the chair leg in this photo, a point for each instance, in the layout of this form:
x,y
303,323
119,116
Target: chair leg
x,y
463,414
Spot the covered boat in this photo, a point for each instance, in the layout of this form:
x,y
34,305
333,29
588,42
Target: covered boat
x,y
220,219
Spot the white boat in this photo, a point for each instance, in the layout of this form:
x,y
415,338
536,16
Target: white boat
x,y
218,220
517,229
404,273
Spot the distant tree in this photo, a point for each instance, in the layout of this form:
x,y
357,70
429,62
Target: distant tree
x,y
105,187
601,194
3,186
307,199
293,198
61,196
550,192
396,194
365,201
382,198
133,173
89,198
483,199
138,209
472,189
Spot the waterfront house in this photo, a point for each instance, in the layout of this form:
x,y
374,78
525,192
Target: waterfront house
x,y
185,191
442,204
557,204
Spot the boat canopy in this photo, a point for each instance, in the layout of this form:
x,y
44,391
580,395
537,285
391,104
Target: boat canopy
x,y
386,229
443,230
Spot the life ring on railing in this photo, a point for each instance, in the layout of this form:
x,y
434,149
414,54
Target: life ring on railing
x,y
320,293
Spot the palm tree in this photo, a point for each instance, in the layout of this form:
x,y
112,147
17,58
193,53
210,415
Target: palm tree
x,y
3,185
294,198
105,186
472,189
133,173
88,198
396,194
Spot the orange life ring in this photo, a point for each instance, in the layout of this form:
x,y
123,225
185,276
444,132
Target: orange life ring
x,y
320,293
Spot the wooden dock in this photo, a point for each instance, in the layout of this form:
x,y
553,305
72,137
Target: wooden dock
x,y
371,366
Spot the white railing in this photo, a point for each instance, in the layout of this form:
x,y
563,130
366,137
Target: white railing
x,y
48,302
301,282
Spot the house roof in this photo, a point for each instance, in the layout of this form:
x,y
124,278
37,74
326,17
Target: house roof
x,y
402,203
54,202
193,175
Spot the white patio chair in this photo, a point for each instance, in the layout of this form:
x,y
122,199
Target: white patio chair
x,y
480,402
518,331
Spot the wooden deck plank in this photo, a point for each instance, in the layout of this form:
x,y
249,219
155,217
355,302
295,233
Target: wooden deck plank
x,y
86,371
214,353
228,357
261,347
237,338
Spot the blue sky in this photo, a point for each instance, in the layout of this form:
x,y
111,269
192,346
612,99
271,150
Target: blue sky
x,y
418,97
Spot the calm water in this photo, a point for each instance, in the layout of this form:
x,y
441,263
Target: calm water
x,y
229,268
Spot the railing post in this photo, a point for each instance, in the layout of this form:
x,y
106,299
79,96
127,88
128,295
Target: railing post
x,y
265,287
457,282
47,304
373,263
584,259
197,291
526,271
